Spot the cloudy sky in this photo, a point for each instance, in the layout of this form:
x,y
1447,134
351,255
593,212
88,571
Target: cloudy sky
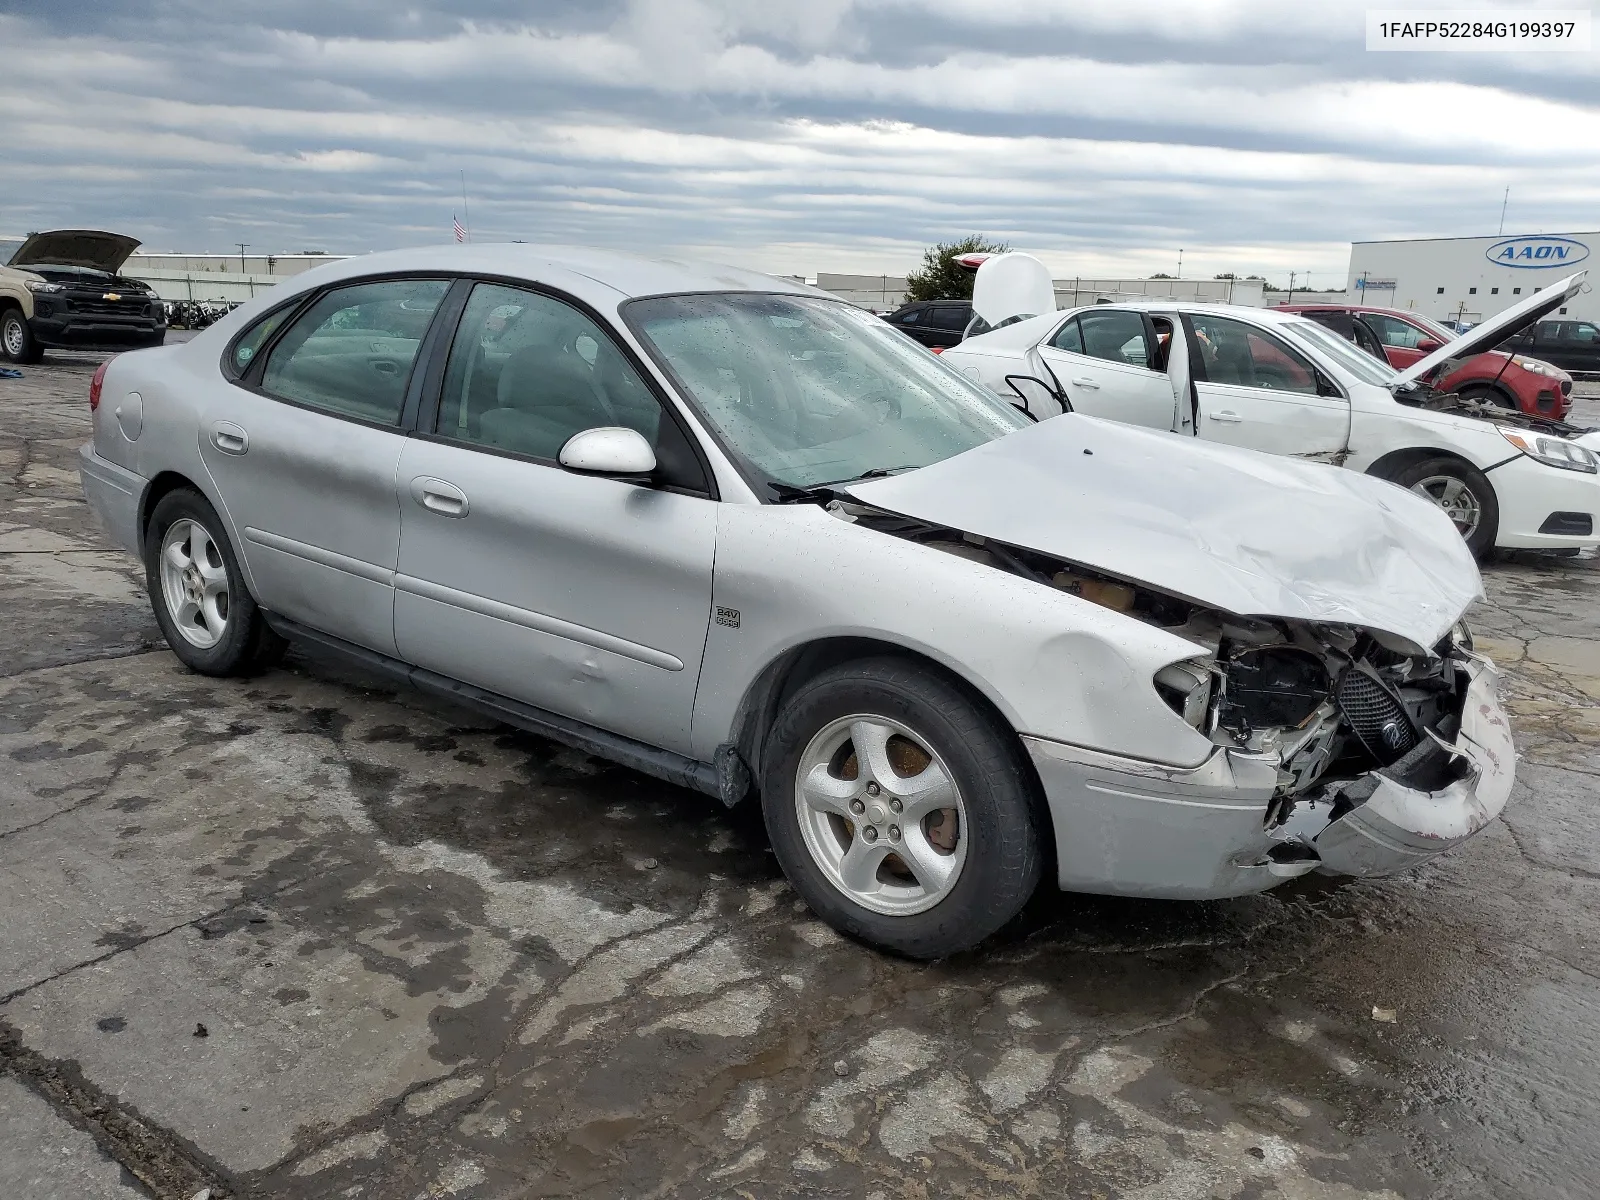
x,y
789,135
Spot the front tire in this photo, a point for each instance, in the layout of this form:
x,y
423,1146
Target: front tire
x,y
17,342
1485,394
900,811
197,590
1466,496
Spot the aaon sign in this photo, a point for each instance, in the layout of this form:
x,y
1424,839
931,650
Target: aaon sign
x,y
1537,252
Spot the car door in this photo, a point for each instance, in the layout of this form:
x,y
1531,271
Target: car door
x,y
589,597
1257,391
1573,346
942,325
1111,363
302,443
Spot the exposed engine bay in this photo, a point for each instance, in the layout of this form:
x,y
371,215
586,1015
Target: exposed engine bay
x,y
1327,705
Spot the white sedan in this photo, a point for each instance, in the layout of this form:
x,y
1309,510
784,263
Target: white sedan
x,y
731,532
1279,383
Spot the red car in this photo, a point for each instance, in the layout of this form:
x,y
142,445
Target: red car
x,y
1402,338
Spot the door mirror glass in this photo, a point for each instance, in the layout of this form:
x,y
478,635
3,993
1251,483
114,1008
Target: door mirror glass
x,y
609,450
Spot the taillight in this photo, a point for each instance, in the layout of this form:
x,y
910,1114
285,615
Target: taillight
x,y
96,384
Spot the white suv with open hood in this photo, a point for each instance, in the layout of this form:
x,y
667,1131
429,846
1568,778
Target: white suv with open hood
x,y
1280,383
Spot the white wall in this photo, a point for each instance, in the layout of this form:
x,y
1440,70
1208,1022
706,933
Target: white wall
x,y
1419,269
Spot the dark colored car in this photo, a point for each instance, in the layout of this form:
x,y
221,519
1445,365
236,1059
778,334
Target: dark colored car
x,y
1508,377
937,324
61,290
1570,345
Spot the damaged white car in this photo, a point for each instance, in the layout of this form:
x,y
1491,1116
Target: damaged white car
x,y
740,536
1283,384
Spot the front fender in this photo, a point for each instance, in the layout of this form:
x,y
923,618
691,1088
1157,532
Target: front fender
x,y
1053,665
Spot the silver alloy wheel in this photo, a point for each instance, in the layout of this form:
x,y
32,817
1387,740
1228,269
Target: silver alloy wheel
x,y
1456,498
881,815
14,336
194,583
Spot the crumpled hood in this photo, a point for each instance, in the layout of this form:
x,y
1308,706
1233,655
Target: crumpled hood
x,y
1251,534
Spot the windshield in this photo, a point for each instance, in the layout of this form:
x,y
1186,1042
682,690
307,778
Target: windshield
x,y
1355,361
809,391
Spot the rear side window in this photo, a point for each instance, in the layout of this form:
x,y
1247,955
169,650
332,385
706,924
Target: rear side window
x,y
248,346
350,353
949,316
1116,337
1069,338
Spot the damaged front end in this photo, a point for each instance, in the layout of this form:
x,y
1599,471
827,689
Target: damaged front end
x,y
1382,756
1342,749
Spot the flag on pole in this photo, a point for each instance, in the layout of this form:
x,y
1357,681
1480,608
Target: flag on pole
x,y
461,234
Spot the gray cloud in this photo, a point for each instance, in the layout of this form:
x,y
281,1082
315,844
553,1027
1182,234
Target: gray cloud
x,y
795,136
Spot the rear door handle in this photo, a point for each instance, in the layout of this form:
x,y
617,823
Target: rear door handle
x,y
229,438
1227,416
436,495
1087,383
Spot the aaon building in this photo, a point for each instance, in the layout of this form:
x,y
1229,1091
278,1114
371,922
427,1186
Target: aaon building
x,y
1471,279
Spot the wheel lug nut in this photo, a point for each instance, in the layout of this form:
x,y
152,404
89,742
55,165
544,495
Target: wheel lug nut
x,y
870,833
895,806
872,789
894,833
857,807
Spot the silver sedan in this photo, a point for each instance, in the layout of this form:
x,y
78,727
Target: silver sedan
x,y
728,531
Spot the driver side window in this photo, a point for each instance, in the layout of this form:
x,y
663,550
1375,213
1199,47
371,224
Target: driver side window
x,y
527,372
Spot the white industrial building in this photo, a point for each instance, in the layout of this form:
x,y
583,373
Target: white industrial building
x,y
1470,279
884,293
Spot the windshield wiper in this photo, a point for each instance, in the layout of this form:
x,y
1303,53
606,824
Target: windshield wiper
x,y
823,493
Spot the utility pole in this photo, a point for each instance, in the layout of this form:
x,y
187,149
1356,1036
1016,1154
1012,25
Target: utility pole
x,y
1504,201
243,246
1180,264
1291,287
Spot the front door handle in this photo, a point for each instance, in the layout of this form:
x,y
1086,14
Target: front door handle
x,y
1087,383
1227,416
229,438
436,495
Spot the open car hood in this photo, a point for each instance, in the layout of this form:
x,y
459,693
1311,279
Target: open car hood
x,y
1497,328
1250,534
90,248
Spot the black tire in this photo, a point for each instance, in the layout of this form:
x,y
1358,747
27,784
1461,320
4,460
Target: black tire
x,y
247,643
1483,393
1481,540
17,343
1003,859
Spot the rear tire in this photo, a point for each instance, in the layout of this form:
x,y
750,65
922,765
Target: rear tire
x,y
17,342
197,590
960,855
1464,493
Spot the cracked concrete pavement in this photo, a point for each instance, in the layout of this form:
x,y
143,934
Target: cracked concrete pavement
x,y
305,936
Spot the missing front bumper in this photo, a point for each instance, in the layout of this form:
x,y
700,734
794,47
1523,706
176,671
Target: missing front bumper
x,y
1124,827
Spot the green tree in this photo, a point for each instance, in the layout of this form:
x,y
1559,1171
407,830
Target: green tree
x,y
1162,275
940,278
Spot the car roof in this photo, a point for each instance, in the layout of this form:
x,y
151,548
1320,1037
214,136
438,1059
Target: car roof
x,y
1357,307
1243,312
601,277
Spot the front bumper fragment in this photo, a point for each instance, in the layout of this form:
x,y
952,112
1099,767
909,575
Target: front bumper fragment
x,y
1130,828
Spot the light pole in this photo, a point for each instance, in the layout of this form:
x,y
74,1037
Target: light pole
x,y
243,246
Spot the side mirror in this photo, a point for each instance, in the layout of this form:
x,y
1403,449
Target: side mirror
x,y
1429,345
1038,398
609,450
